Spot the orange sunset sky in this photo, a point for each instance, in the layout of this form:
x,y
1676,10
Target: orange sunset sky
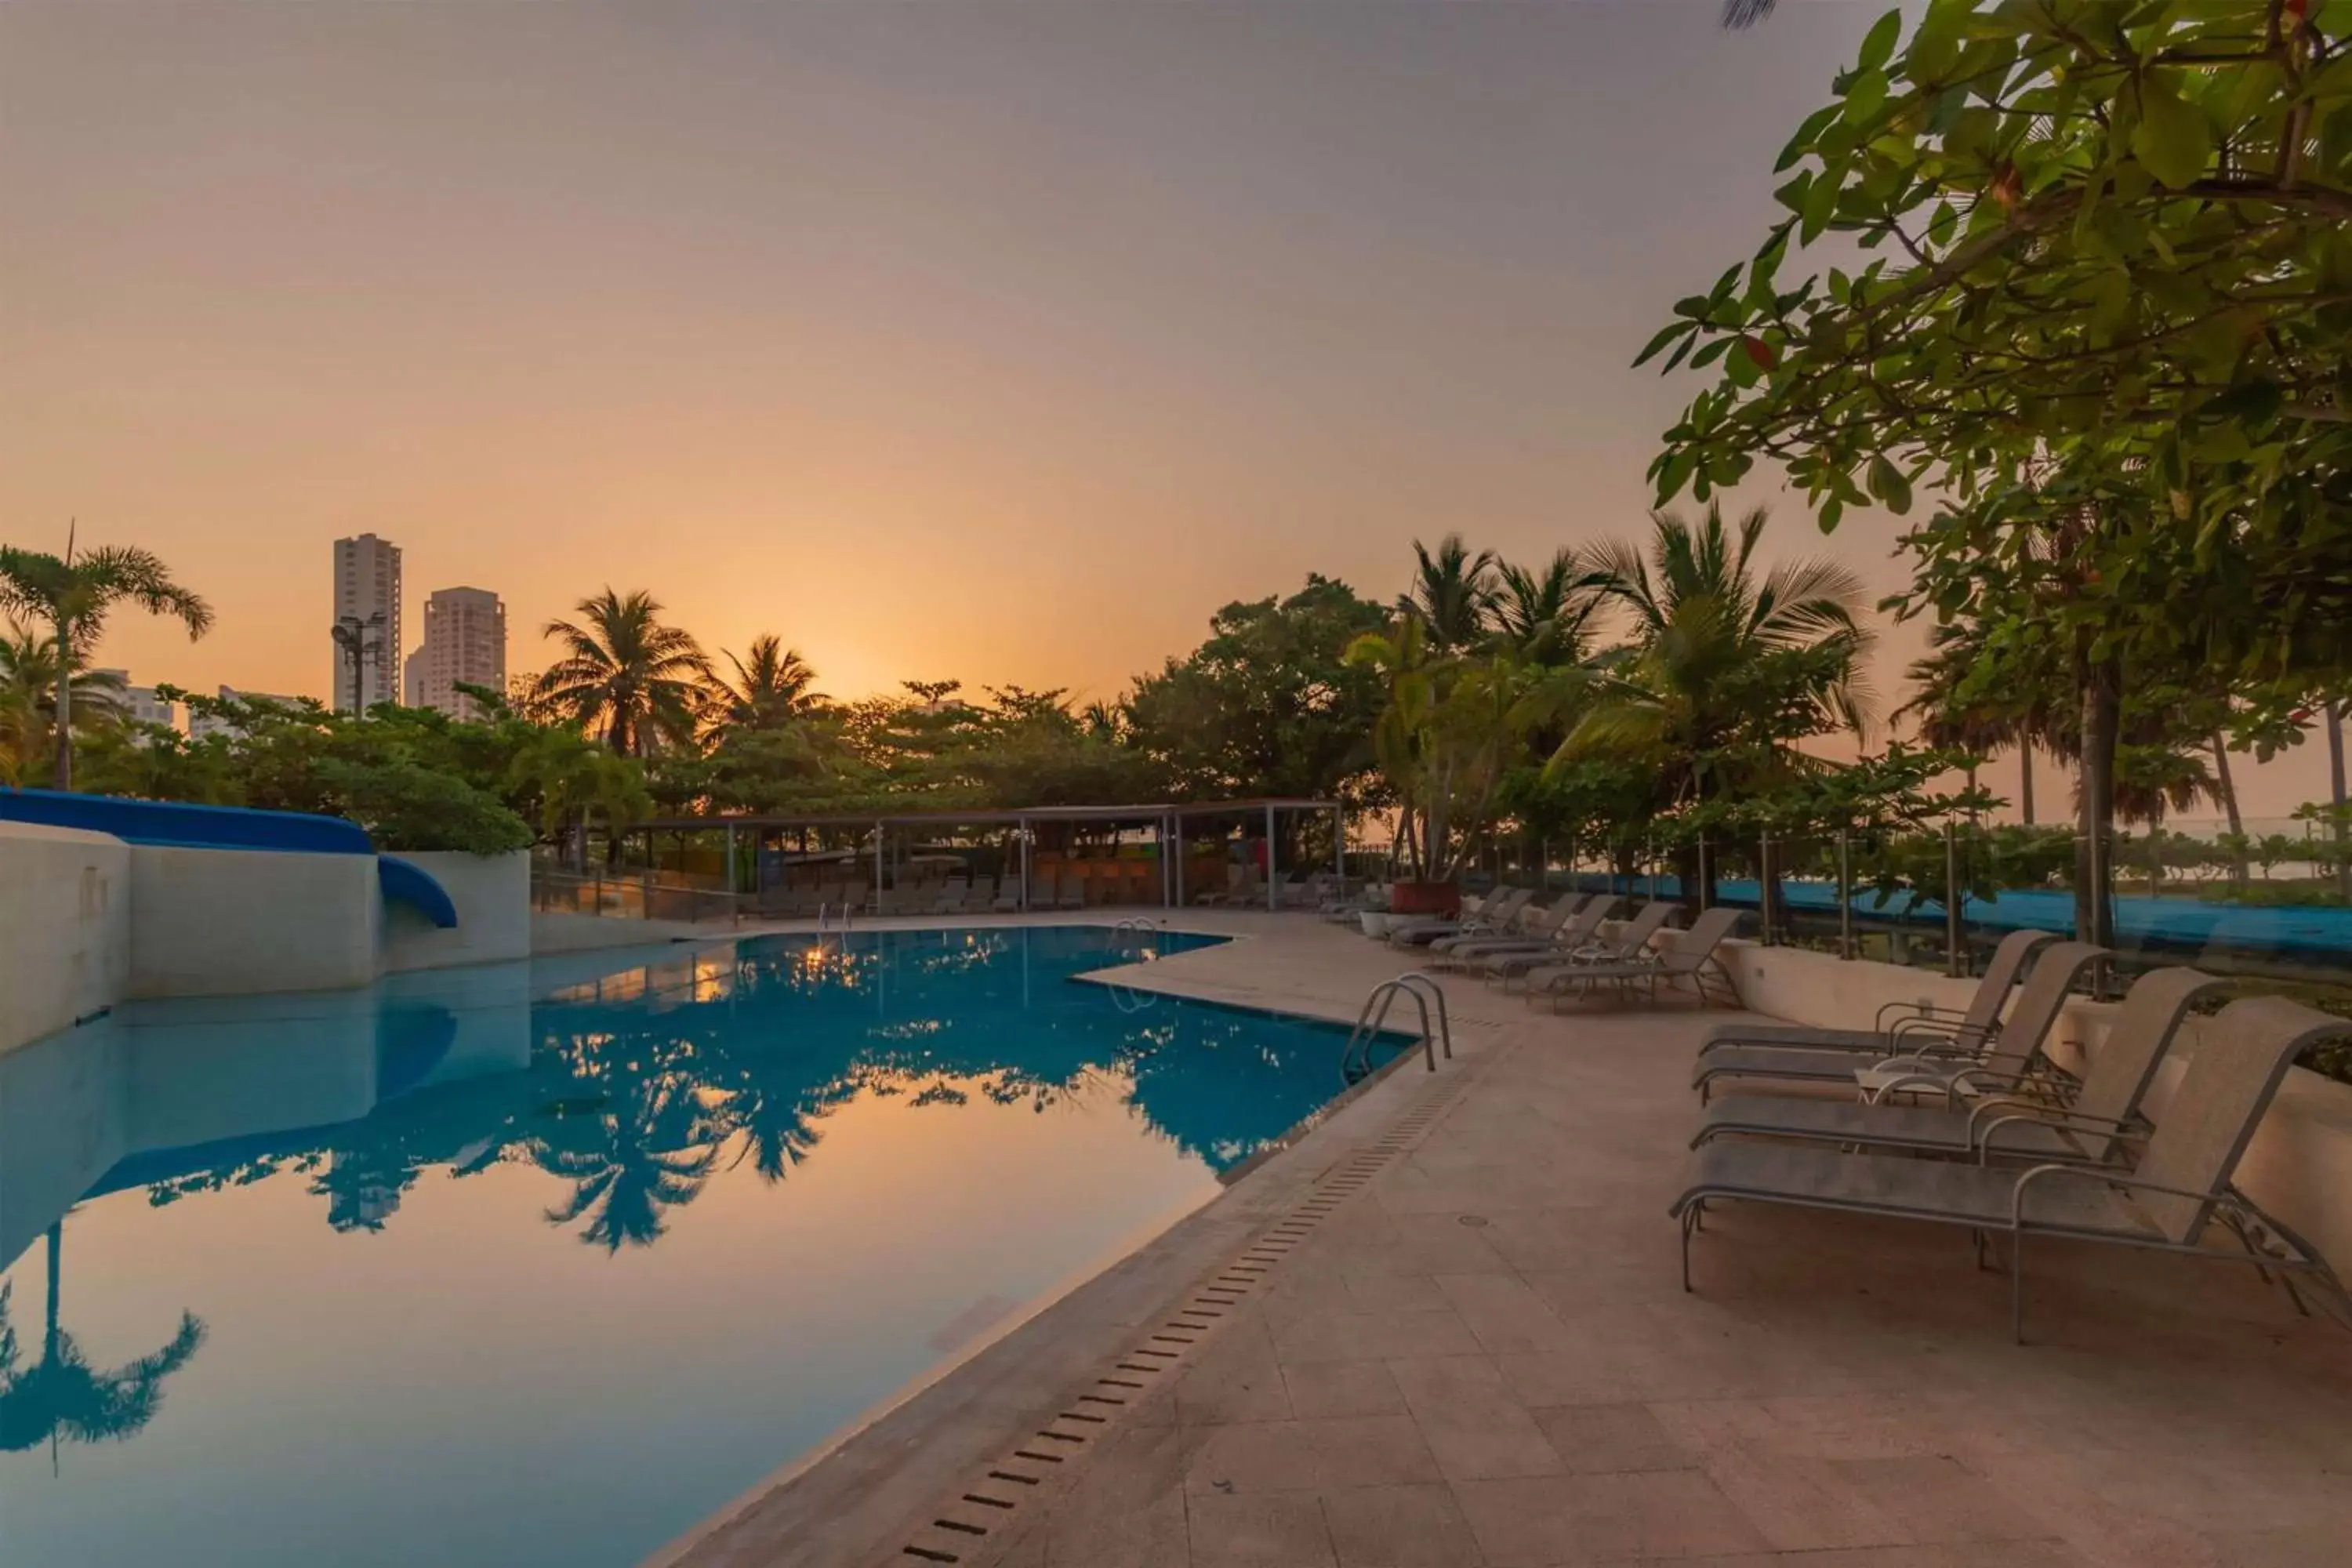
x,y
1003,340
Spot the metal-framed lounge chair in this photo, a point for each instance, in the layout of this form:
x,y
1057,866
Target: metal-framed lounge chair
x,y
2091,1124
2164,1204
950,897
1008,896
1536,928
2003,1057
1494,915
1530,917
1631,944
1897,1020
1474,909
1578,941
1693,950
1070,892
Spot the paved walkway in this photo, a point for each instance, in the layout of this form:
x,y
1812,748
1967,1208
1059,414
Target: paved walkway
x,y
1484,1356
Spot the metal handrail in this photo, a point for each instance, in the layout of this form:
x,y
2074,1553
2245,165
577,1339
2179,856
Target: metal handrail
x,y
1131,925
1421,988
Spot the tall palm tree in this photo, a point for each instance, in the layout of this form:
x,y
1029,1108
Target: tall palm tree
x,y
74,595
771,688
1728,664
1452,593
626,671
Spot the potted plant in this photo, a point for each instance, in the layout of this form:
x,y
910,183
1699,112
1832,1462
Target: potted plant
x,y
1450,726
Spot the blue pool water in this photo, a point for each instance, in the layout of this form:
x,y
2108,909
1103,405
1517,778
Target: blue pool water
x,y
546,1263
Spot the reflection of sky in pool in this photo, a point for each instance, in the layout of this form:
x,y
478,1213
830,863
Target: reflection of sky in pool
x,y
546,1263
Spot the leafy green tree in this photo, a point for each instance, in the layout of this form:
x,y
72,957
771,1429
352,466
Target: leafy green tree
x,y
641,681
73,596
1268,704
2106,317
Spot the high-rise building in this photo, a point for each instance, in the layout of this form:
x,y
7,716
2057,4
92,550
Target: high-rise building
x,y
465,641
366,639
201,725
140,704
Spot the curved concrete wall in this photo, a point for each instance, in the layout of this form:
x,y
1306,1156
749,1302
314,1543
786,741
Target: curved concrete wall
x,y
65,927
492,893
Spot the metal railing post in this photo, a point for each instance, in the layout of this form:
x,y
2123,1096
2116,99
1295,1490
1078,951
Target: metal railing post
x,y
1845,895
1952,964
1764,883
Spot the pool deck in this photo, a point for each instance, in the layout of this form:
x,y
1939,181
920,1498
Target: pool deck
x,y
1482,1354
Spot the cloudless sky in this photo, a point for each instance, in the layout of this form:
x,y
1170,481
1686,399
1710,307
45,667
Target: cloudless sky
x,y
1001,340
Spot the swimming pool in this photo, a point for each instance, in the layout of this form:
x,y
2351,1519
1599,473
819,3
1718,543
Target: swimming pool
x,y
546,1263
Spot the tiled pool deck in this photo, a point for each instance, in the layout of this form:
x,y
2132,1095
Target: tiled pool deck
x,y
1483,1356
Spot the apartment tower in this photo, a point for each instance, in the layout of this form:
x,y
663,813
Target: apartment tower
x,y
366,637
465,641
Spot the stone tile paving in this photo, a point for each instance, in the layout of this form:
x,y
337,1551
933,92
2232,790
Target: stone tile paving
x,y
1487,1358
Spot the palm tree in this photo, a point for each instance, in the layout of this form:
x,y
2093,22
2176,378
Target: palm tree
x,y
63,1397
1451,595
770,688
1726,668
625,670
1954,714
73,596
1544,617
28,698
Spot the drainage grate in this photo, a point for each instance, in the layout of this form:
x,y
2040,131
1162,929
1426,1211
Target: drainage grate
x,y
982,1514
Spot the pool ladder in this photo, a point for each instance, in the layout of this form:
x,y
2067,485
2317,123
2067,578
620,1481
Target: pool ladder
x,y
1134,926
1356,1065
848,918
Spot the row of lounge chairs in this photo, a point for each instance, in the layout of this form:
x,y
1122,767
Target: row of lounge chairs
x,y
1965,1120
1569,948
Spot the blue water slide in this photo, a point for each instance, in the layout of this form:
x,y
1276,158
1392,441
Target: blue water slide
x,y
180,824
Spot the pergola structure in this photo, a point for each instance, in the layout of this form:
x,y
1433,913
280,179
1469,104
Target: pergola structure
x,y
1164,819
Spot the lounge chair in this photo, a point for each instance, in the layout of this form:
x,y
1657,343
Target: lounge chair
x,y
951,898
1693,950
1574,944
1008,896
2090,1123
2003,1057
1897,1020
1494,915
2181,1184
1630,945
1537,927
1071,892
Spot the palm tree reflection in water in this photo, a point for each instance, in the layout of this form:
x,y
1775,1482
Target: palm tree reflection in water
x,y
62,1398
644,1086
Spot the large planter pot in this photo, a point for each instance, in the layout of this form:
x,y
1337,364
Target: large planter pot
x,y
1424,899
1375,922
